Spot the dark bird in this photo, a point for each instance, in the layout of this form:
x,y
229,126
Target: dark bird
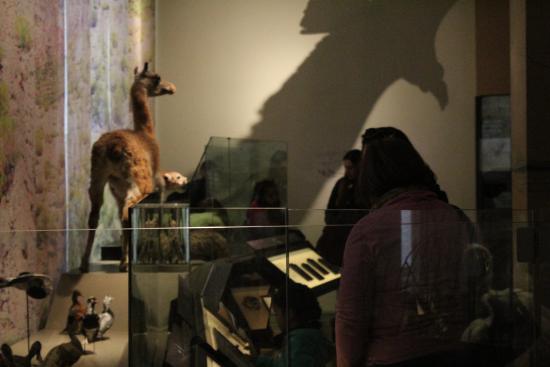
x,y
90,323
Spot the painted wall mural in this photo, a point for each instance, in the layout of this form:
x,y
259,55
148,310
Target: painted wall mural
x,y
32,165
106,40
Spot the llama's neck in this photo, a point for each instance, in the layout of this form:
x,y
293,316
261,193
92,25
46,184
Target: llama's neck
x,y
143,120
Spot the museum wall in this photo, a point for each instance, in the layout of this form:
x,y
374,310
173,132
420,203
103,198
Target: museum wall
x,y
492,47
316,74
42,189
32,164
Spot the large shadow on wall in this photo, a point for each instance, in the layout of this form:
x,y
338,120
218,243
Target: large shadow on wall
x,y
321,109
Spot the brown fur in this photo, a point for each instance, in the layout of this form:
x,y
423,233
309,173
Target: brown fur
x,y
127,160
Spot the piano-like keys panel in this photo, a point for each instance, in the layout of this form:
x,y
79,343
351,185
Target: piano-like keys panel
x,y
306,267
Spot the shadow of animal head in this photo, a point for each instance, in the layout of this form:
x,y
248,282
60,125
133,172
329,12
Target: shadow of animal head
x,y
404,31
152,82
369,45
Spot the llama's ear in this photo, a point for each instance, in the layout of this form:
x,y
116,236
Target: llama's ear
x,y
166,176
145,67
135,70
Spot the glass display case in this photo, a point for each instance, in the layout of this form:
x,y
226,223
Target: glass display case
x,y
222,284
160,232
230,171
230,304
223,312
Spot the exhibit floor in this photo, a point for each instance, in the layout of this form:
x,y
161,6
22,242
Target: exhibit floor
x,y
113,351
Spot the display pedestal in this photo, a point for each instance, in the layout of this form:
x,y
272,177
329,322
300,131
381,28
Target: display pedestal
x,y
111,352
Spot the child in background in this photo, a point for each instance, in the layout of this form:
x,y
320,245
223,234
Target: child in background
x,y
298,314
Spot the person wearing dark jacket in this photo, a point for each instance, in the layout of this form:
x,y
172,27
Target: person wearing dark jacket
x,y
400,301
343,211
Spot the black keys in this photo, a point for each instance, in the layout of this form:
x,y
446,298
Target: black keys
x,y
299,270
310,270
317,266
318,269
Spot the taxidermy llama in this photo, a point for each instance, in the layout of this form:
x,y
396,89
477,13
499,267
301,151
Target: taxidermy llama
x,y
127,160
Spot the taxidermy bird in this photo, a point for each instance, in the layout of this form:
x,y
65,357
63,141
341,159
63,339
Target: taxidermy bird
x,y
90,323
106,318
64,355
8,359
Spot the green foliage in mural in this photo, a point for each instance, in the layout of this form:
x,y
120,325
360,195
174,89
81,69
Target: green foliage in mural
x,y
100,92
114,40
124,67
39,141
49,170
6,122
3,178
49,88
7,172
138,7
23,30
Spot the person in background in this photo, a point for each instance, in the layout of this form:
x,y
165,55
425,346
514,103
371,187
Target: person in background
x,y
265,212
343,193
343,211
378,133
400,301
298,315
278,173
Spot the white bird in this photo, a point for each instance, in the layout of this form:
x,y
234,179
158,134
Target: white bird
x,y
106,318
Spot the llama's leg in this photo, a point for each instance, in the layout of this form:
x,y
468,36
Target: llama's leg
x,y
96,198
160,184
124,206
120,195
126,239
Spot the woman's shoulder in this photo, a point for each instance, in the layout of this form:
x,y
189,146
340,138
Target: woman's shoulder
x,y
406,205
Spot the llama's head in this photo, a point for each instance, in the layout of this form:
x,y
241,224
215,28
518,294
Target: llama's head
x,y
152,82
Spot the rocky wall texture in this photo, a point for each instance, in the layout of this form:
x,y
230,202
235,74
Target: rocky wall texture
x,y
106,39
32,163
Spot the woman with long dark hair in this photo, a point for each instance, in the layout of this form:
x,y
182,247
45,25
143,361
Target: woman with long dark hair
x,y
400,301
